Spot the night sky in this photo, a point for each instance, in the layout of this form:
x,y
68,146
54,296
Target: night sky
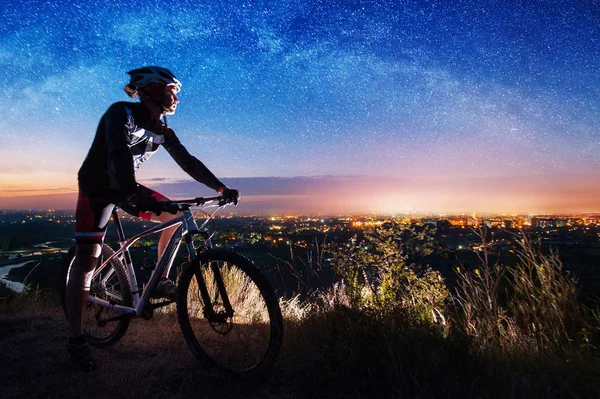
x,y
318,106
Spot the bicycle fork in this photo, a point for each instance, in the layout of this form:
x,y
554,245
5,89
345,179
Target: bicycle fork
x,y
221,292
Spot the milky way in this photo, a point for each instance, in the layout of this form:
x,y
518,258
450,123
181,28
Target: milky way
x,y
413,93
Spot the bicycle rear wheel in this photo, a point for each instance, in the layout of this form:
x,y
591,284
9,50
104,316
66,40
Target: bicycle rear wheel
x,y
102,326
247,342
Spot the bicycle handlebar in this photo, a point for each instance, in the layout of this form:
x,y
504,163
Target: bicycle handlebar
x,y
199,201
181,205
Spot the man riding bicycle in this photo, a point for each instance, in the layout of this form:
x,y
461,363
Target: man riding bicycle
x,y
127,135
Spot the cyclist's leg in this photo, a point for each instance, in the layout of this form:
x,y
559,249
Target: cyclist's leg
x,y
92,217
78,287
162,218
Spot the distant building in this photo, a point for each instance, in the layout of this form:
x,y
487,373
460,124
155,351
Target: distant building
x,y
546,223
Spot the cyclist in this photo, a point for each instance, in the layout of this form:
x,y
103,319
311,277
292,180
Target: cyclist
x,y
127,135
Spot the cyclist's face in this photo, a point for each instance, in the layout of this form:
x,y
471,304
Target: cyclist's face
x,y
170,100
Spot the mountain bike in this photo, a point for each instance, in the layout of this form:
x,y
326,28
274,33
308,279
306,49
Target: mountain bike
x,y
227,310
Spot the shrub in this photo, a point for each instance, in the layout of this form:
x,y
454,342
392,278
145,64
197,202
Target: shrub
x,y
379,272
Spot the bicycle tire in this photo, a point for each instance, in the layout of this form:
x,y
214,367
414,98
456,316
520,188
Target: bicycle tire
x,y
247,343
98,331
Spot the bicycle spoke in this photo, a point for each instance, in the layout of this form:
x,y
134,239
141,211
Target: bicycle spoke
x,y
244,341
103,326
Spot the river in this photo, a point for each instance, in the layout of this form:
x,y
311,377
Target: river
x,y
13,285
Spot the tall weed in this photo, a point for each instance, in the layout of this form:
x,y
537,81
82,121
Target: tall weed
x,y
379,271
530,307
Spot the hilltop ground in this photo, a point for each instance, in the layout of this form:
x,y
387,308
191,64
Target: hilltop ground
x,y
152,360
339,354
520,331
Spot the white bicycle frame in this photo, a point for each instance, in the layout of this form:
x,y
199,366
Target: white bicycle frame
x,y
186,228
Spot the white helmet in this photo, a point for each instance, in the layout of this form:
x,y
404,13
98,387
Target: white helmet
x,y
141,78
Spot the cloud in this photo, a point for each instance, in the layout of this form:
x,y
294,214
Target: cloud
x,y
42,191
272,186
363,194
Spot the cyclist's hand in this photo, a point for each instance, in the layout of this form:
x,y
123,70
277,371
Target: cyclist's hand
x,y
231,195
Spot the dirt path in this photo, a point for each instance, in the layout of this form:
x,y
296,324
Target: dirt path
x,y
152,360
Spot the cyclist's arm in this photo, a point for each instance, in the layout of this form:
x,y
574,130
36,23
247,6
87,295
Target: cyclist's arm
x,y
189,163
120,158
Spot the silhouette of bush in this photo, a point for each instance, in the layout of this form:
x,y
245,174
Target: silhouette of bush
x,y
379,272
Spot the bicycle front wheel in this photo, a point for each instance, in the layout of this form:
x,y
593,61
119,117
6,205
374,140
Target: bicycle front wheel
x,y
248,339
102,326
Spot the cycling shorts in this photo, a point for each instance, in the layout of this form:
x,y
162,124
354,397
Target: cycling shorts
x,y
93,213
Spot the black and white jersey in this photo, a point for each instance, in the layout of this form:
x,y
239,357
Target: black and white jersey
x,y
126,137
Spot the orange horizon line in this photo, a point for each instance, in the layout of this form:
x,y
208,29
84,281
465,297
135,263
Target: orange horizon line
x,y
348,214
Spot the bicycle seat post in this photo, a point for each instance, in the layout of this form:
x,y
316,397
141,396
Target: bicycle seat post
x,y
118,226
121,236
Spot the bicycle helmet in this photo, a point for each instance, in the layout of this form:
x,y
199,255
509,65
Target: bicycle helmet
x,y
141,78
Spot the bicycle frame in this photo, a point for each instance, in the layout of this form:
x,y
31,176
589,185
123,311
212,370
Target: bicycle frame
x,y
228,313
186,229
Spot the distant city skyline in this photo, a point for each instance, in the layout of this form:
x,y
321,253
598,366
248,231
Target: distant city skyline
x,y
273,196
318,107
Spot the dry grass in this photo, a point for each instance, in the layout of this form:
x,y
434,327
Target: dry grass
x,y
532,307
339,353
510,332
239,342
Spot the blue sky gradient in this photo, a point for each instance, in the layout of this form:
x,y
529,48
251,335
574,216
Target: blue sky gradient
x,y
405,96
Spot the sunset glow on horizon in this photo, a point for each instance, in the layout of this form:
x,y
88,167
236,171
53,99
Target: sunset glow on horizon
x,y
330,196
318,107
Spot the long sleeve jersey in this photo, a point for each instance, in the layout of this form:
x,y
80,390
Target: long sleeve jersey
x,y
126,137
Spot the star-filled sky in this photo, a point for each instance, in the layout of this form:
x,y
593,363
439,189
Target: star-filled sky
x,y
318,106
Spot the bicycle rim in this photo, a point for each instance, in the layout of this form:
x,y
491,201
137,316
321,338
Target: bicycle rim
x,y
250,339
102,326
